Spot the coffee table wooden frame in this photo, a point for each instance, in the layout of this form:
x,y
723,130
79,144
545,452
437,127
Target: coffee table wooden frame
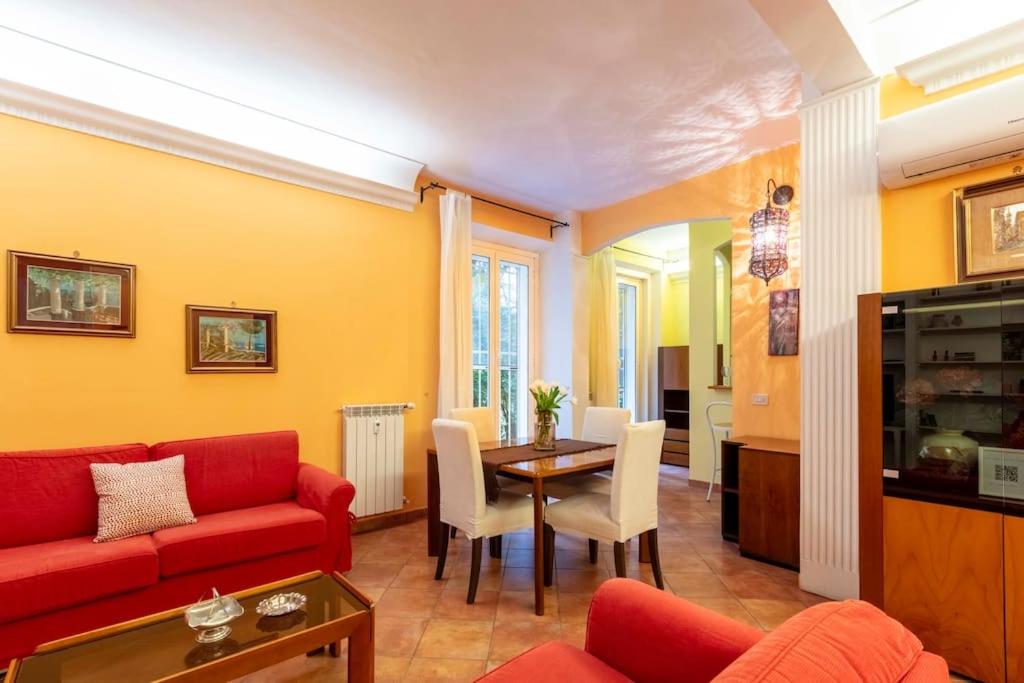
x,y
357,628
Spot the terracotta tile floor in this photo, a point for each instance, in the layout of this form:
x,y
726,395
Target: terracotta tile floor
x,y
427,632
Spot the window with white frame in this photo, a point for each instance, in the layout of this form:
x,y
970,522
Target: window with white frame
x,y
504,330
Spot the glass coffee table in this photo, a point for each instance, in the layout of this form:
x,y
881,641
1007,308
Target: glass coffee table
x,y
162,647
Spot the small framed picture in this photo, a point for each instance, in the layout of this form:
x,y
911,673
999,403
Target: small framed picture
x,y
989,230
1001,472
784,322
60,295
230,339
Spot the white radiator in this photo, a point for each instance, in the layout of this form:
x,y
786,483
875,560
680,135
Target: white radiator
x,y
373,455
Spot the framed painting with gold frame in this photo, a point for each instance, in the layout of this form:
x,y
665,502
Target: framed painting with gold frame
x,y
61,295
230,339
989,230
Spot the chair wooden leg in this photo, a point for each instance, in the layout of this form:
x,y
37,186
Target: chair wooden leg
x,y
592,547
549,555
652,543
495,546
474,570
454,531
442,551
620,559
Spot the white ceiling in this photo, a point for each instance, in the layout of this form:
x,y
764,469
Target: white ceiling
x,y
665,242
559,104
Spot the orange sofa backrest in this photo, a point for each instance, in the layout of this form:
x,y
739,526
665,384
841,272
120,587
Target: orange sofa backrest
x,y
836,641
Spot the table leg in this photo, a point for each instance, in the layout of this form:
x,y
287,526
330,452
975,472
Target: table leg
x,y
360,653
433,505
538,546
645,549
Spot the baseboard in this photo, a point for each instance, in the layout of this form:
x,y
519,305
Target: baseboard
x,y
831,582
387,519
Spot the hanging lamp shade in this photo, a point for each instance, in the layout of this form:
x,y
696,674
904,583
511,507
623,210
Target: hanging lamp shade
x,y
769,235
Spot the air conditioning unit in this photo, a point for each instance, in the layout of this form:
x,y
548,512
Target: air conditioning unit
x,y
980,128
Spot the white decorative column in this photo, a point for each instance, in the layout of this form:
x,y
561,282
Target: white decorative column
x,y
841,258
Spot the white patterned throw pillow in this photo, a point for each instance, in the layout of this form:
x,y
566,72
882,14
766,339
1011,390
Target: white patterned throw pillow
x,y
140,497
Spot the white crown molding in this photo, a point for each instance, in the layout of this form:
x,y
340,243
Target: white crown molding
x,y
973,58
56,110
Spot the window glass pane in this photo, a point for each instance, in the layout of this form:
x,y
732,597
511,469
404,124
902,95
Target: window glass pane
x,y
627,346
513,348
622,345
481,324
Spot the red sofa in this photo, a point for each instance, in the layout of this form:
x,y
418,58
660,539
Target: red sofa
x,y
638,633
261,516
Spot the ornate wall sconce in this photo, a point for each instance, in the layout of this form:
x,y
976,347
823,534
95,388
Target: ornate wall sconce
x,y
769,233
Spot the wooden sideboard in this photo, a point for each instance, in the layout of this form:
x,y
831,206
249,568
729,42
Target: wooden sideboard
x,y
761,498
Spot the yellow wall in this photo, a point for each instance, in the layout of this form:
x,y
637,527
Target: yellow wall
x,y
354,284
733,193
704,237
675,312
917,221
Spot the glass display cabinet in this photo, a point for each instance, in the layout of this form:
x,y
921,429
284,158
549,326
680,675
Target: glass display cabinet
x,y
952,402
941,469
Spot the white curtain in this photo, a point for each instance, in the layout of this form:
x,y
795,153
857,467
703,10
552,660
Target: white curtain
x,y
454,383
604,330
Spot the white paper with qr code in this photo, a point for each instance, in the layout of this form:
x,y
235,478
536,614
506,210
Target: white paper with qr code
x,y
1001,472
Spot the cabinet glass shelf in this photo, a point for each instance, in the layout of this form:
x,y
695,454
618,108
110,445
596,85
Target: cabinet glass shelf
x,y
953,395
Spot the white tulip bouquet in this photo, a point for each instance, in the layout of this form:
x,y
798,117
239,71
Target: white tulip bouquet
x,y
548,398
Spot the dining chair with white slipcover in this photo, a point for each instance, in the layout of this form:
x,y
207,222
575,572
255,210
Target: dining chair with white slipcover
x,y
464,503
630,509
483,420
600,425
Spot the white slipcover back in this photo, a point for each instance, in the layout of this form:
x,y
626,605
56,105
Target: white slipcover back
x,y
482,419
460,474
603,425
634,499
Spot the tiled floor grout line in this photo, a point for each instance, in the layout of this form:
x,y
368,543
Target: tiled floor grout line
x,y
690,542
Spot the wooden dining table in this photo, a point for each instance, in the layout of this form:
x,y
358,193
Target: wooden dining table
x,y
535,471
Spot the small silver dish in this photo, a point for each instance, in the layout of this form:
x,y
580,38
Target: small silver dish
x,y
281,604
210,618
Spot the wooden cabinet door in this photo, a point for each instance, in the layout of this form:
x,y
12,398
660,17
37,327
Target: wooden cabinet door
x,y
769,488
1013,552
944,582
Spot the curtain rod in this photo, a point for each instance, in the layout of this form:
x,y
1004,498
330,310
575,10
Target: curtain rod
x,y
552,221
659,258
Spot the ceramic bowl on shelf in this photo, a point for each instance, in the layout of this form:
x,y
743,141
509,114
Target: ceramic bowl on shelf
x,y
949,444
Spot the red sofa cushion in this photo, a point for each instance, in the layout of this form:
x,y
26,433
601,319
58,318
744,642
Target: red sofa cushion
x,y
49,495
655,637
555,662
48,576
238,535
833,641
235,472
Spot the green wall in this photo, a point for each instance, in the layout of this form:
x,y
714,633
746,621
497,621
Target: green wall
x,y
704,237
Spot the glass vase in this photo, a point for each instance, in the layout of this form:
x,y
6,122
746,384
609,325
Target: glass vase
x,y
544,433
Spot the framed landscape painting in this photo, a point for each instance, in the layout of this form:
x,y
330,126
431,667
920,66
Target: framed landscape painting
x,y
230,339
59,295
989,230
